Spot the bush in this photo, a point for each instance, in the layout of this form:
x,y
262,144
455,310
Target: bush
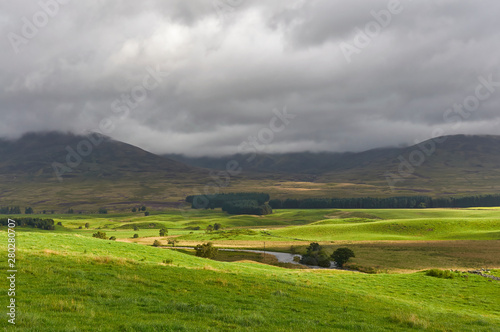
x,y
146,213
444,274
156,243
100,235
324,261
309,260
113,238
173,242
342,255
59,223
206,250
163,231
136,236
167,261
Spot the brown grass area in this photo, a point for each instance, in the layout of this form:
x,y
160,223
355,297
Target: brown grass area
x,y
409,256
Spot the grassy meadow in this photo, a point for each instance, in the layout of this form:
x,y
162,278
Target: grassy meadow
x,y
70,281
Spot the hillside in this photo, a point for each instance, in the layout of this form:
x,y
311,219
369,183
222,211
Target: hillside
x,y
70,282
447,165
35,154
118,175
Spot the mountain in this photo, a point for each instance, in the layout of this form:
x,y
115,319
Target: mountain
x,y
443,165
51,154
60,171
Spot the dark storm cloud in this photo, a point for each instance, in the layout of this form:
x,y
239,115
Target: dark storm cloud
x,y
194,77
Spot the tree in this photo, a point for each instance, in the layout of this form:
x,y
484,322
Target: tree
x,y
134,209
146,213
71,211
100,235
209,229
315,256
136,228
28,210
173,242
342,255
143,208
163,231
217,226
87,225
156,243
113,238
313,246
136,236
103,211
206,250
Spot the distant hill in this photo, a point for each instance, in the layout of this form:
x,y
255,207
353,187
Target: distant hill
x,y
41,154
119,176
444,164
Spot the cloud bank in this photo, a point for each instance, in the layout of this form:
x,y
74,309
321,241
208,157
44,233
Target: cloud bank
x,y
201,77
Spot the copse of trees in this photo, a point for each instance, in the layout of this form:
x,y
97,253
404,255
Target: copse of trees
x,y
217,201
315,256
206,250
10,210
47,224
246,207
233,203
386,203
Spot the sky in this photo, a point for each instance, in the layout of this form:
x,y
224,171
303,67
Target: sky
x,y
227,76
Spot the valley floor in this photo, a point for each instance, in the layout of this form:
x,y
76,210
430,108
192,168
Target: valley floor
x,y
70,281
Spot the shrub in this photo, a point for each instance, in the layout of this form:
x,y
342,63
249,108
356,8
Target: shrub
x,y
136,236
163,231
87,225
59,223
309,260
146,213
173,242
324,261
445,274
342,255
206,250
167,261
113,238
156,243
100,235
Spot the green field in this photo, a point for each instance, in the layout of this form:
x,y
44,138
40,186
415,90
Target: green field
x,y
69,281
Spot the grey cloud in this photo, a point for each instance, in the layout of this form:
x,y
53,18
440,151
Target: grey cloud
x,y
230,66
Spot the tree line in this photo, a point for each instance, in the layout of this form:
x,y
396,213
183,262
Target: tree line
x,y
10,210
47,224
398,202
233,203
